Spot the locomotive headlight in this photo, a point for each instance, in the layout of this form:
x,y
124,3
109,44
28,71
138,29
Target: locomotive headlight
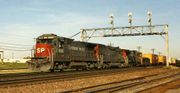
x,y
111,16
130,14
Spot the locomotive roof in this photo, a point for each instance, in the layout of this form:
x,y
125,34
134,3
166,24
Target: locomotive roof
x,y
90,44
51,36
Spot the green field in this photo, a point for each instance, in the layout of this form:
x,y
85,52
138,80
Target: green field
x,y
12,65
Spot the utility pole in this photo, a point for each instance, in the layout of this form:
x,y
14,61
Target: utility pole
x,y
139,48
12,55
159,53
153,50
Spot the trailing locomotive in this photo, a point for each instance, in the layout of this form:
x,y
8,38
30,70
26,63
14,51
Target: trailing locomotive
x,y
53,52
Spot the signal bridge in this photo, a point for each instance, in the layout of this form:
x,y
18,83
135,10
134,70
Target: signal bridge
x,y
87,34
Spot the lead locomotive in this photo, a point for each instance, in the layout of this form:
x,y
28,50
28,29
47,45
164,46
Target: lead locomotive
x,y
53,52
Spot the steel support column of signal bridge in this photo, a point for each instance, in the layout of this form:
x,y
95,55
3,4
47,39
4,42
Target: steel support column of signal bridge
x,y
144,30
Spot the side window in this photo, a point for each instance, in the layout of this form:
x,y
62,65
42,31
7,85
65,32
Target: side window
x,y
55,42
38,42
60,45
49,41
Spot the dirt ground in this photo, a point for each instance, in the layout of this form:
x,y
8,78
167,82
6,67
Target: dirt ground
x,y
172,87
15,71
54,87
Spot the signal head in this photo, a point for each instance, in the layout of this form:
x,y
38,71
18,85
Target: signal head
x,y
130,14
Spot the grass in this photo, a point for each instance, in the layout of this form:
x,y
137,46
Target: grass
x,y
12,65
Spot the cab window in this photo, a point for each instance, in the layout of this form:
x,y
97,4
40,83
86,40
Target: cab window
x,y
45,41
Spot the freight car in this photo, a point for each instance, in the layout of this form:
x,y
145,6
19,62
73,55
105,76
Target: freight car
x,y
150,59
161,59
172,61
53,52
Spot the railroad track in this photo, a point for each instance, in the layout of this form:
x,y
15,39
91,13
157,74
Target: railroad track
x,y
35,78
16,75
13,68
130,86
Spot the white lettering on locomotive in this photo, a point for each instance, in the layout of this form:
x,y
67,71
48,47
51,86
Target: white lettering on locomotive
x,y
40,50
76,48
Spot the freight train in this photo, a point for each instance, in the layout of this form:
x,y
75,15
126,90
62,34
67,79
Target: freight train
x,y
53,52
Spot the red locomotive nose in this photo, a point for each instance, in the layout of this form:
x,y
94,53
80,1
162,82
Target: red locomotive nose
x,y
43,50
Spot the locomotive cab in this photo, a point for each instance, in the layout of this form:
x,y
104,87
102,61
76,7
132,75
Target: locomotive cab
x,y
44,46
43,53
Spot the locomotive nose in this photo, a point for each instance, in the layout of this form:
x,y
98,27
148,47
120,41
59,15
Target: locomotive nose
x,y
43,50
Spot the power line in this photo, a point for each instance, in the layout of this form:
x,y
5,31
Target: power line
x,y
19,35
15,38
75,35
14,44
15,49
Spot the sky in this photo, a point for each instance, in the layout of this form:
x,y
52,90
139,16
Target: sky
x,y
21,21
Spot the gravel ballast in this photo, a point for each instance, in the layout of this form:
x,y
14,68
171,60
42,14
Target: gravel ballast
x,y
59,86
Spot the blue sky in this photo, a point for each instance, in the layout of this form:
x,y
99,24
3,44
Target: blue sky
x,y
23,20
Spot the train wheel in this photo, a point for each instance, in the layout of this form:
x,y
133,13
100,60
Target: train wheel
x,y
51,70
61,69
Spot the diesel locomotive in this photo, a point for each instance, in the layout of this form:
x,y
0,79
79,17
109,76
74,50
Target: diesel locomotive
x,y
53,52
